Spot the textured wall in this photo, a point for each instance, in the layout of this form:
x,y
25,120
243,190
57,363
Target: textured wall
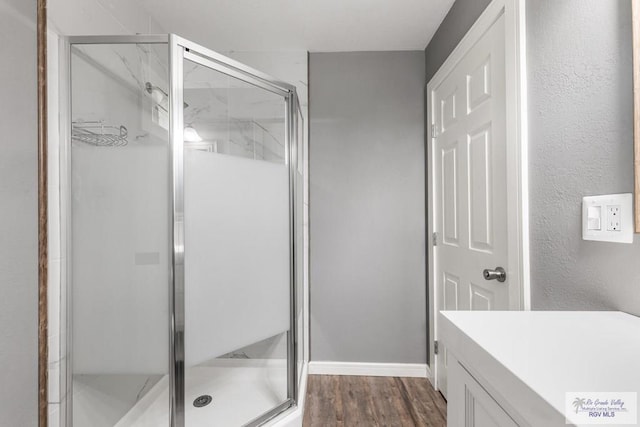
x,y
367,207
580,143
461,17
18,215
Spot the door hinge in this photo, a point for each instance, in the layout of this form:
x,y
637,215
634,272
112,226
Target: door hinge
x,y
435,347
434,131
435,238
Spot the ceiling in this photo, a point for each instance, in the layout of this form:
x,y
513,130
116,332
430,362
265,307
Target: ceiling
x,y
313,25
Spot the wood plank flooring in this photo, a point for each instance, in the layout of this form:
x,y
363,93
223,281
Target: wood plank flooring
x,y
348,401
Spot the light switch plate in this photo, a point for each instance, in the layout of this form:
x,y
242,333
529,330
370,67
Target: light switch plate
x,y
608,218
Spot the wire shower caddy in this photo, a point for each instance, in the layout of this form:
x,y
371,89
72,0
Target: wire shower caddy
x,y
98,134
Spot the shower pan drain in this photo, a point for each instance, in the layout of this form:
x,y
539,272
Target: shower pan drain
x,y
203,400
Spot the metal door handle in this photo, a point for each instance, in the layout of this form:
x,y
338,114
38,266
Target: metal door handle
x,y
498,274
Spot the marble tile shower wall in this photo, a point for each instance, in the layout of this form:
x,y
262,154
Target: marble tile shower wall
x,y
56,338
250,139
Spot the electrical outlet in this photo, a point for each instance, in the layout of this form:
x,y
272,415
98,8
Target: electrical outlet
x,y
608,218
613,218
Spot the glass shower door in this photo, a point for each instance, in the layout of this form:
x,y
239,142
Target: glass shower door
x,y
118,244
234,136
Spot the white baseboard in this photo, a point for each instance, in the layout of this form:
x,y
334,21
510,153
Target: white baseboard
x,y
414,370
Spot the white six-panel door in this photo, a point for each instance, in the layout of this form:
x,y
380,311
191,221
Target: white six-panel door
x,y
470,182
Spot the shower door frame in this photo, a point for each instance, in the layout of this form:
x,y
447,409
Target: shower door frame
x,y
179,50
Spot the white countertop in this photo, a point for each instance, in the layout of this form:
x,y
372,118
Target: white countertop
x,y
548,352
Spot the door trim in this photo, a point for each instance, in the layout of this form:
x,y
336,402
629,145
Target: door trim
x,y
43,214
517,159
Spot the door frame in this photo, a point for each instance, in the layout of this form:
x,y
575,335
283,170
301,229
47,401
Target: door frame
x,y
517,158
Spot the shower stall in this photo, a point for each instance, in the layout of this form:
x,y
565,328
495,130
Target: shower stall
x,y
182,207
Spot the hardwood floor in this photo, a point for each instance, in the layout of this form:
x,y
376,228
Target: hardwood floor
x,y
347,401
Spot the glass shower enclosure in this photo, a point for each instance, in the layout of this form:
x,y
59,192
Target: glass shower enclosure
x,y
182,201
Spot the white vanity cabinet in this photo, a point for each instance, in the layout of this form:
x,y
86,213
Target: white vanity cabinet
x,y
470,405
519,368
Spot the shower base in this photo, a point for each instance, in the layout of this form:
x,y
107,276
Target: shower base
x,y
240,390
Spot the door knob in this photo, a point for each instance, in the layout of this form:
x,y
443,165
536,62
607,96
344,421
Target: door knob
x,y
498,274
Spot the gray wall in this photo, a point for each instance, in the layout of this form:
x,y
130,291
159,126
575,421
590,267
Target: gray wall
x,y
367,207
580,121
580,143
462,15
18,214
